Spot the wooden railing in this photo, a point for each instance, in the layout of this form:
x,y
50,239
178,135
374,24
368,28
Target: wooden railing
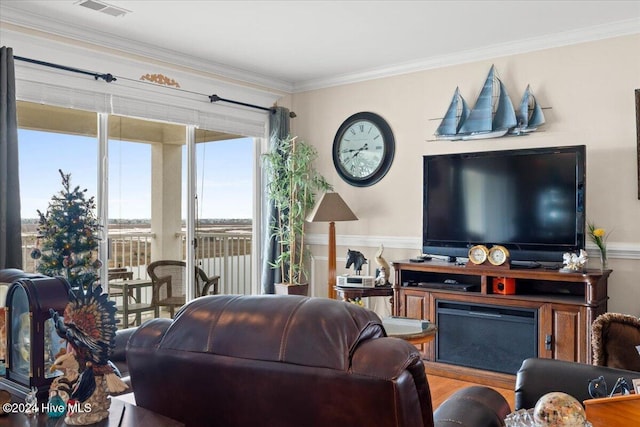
x,y
225,254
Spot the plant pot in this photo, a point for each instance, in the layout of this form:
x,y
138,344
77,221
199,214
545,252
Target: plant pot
x,y
291,289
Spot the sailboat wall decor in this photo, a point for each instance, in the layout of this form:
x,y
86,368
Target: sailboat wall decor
x,y
457,113
492,116
529,114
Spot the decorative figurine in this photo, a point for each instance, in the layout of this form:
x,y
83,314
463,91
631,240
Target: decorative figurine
x,y
383,268
31,402
357,259
56,406
573,262
89,327
62,386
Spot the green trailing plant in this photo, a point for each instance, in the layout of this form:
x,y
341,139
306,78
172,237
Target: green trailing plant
x,y
292,185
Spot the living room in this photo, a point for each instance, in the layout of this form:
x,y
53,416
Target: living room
x,y
585,83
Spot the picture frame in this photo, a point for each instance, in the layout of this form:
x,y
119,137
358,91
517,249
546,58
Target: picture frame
x,y
636,385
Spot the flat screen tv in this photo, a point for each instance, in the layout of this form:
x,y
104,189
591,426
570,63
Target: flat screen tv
x,y
531,201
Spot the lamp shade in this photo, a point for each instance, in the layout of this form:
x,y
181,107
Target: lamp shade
x,y
331,208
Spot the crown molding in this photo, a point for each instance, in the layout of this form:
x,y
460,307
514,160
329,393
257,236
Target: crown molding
x,y
86,35
82,34
600,32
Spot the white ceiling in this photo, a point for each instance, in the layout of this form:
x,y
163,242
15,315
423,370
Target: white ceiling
x,y
299,45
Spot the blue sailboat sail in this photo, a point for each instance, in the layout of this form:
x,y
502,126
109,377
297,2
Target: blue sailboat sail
x,y
493,114
455,116
481,116
505,116
529,114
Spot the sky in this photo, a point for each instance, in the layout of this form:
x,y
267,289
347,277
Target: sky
x,y
224,174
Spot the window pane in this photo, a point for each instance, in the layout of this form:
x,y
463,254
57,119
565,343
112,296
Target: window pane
x,y
52,138
224,208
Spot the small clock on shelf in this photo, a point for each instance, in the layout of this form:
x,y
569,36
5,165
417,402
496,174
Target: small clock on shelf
x,y
496,256
478,254
363,149
32,342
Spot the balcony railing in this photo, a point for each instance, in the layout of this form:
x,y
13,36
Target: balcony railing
x,y
225,254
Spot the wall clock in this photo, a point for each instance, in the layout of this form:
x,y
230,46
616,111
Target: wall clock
x,y
363,149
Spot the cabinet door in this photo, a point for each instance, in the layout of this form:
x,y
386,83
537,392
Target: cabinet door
x,y
416,305
563,333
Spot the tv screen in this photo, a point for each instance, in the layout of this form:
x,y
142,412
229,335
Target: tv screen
x,y
531,201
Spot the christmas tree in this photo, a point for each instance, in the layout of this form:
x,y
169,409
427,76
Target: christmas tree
x,y
68,236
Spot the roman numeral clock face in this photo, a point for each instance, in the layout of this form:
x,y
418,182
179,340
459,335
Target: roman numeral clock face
x,y
363,149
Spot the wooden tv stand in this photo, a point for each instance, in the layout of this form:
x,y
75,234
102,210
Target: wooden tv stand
x,y
566,305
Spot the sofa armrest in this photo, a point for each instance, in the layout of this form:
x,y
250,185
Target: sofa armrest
x,y
384,350
537,377
119,353
372,358
475,406
149,336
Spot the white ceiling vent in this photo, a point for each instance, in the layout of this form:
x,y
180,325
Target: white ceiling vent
x,y
103,7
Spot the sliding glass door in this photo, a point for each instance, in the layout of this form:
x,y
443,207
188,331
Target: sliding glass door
x,y
144,175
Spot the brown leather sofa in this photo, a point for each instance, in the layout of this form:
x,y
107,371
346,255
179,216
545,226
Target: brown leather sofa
x,y
289,361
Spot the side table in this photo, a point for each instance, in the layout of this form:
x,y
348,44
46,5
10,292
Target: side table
x,y
613,411
414,336
121,414
347,292
126,288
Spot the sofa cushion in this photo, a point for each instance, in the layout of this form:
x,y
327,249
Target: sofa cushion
x,y
279,329
615,341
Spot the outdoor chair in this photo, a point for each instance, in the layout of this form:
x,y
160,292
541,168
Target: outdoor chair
x,y
169,284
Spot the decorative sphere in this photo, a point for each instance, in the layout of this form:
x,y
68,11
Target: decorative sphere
x,y
36,253
558,409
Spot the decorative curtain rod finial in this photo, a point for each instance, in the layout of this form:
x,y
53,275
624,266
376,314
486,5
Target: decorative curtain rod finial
x,y
106,77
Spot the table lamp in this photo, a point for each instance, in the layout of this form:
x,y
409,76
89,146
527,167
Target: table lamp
x,y
331,208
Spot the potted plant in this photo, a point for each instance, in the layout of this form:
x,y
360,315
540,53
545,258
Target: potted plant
x,y
292,184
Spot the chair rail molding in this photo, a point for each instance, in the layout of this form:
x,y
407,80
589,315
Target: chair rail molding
x,y
615,250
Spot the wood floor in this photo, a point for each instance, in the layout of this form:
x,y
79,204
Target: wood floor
x,y
441,388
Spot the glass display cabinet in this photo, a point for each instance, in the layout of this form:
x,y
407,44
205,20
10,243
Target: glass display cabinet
x,y
32,342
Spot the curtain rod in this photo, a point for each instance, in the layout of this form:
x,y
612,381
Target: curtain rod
x,y
108,77
216,98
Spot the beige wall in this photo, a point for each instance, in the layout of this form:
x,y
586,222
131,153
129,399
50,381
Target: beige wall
x,y
590,89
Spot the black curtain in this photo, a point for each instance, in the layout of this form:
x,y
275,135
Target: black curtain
x,y
10,223
278,129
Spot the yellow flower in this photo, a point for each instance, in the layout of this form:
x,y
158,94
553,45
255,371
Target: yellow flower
x,y
599,232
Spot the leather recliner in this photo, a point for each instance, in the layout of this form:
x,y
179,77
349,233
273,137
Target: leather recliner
x,y
537,377
284,360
